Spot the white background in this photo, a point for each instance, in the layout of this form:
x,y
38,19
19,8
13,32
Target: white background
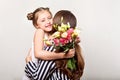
x,y
99,21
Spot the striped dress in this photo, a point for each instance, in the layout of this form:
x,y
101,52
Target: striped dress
x,y
44,70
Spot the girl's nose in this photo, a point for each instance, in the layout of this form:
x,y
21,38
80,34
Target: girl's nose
x,y
48,21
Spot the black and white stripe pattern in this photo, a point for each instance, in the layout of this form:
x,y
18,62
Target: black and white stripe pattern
x,y
58,75
44,70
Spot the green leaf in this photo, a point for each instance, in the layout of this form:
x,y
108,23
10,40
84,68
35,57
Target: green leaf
x,y
71,64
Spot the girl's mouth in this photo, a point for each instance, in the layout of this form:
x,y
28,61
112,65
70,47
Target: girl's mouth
x,y
49,25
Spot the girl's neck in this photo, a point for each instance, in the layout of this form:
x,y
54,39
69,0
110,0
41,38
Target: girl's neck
x,y
48,36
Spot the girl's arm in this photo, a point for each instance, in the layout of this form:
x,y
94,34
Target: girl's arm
x,y
46,55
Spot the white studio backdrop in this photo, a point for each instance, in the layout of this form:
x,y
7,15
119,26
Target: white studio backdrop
x,y
99,21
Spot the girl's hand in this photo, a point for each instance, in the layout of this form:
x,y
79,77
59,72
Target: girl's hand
x,y
70,53
28,57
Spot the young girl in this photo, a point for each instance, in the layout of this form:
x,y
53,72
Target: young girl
x,y
38,69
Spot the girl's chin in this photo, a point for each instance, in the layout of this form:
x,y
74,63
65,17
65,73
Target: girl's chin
x,y
48,30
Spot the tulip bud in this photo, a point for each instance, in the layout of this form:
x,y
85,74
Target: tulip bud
x,y
56,34
48,43
61,29
64,35
74,34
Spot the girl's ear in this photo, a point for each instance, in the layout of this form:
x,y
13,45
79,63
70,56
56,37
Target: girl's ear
x,y
37,26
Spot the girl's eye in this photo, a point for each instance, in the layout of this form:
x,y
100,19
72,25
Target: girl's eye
x,y
49,17
42,20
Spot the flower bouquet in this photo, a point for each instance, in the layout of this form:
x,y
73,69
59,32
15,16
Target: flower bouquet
x,y
63,40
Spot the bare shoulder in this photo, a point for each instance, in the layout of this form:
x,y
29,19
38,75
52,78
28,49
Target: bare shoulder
x,y
39,34
39,31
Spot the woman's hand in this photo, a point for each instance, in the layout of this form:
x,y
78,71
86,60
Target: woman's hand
x,y
70,53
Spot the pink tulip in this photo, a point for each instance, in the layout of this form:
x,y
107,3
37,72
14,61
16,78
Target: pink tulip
x,y
69,37
70,31
56,42
62,41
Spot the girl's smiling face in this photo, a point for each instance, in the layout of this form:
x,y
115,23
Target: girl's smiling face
x,y
45,21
